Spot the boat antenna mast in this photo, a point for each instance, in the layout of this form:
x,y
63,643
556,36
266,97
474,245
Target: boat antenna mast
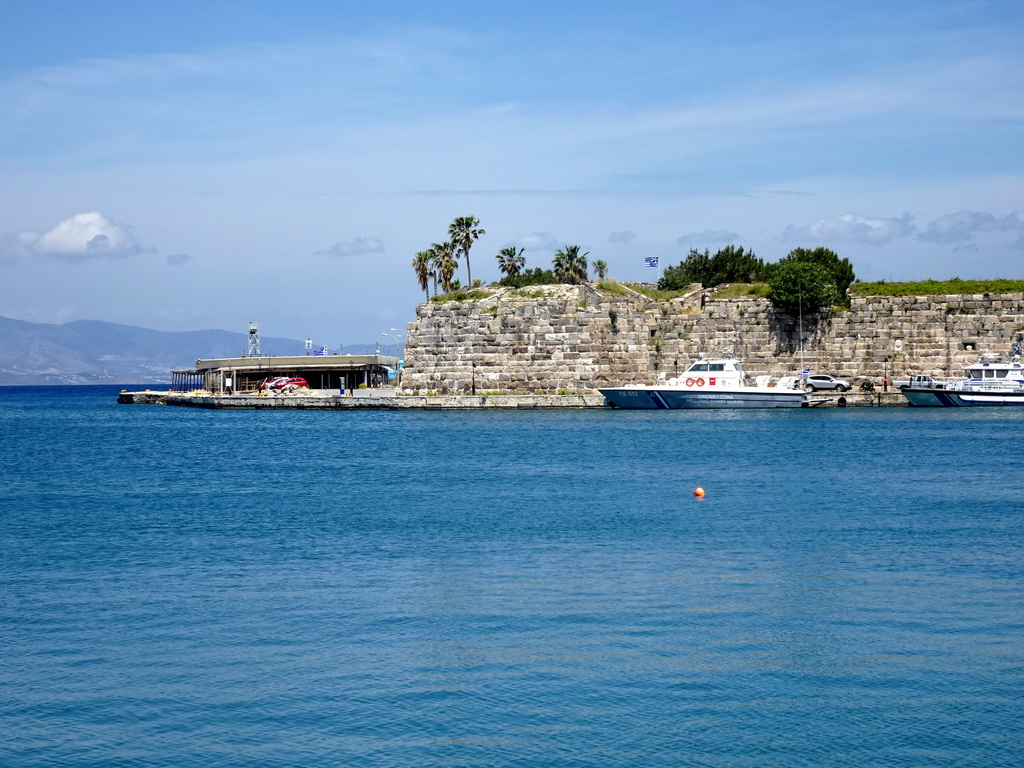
x,y
800,326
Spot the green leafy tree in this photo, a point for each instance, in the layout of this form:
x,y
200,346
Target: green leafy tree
x,y
464,231
840,270
570,266
601,267
422,264
511,261
734,265
690,270
731,264
800,287
535,276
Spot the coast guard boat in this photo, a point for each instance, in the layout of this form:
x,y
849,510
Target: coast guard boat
x,y
715,383
989,381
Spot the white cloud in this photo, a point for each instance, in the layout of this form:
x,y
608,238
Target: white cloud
x,y
964,227
852,227
961,230
177,259
358,247
622,238
539,241
83,236
708,236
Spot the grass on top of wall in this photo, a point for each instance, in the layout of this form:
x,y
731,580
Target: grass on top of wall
x,y
657,294
612,287
615,288
741,291
461,294
937,287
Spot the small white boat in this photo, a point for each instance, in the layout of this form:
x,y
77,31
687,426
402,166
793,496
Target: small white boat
x,y
989,381
716,383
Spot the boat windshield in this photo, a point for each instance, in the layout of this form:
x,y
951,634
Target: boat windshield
x,y
711,367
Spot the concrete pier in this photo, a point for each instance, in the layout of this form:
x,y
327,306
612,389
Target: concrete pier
x,y
334,402
319,400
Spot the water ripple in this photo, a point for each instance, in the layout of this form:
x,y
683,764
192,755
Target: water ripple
x,y
508,589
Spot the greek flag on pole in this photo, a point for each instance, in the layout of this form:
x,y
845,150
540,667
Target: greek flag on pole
x,y
320,351
650,261
805,372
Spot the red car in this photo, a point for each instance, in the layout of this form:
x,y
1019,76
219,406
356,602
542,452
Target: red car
x,y
284,384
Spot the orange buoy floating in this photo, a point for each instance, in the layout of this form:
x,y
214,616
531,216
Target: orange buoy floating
x,y
698,492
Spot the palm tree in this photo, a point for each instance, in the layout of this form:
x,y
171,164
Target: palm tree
x,y
511,261
421,263
570,266
445,263
435,252
602,269
463,231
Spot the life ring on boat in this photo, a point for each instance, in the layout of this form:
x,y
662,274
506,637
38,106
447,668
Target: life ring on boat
x,y
689,382
700,382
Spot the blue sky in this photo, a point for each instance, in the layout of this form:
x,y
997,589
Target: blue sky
x,y
190,165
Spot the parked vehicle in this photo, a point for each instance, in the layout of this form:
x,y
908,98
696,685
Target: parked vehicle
x,y
918,382
284,384
824,381
269,384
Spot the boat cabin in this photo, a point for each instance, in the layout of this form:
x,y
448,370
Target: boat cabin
x,y
712,373
991,373
987,373
990,369
716,366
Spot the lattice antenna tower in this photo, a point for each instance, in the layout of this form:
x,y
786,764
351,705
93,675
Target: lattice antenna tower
x,y
254,340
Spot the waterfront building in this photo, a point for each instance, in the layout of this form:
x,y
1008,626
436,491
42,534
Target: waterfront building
x,y
326,372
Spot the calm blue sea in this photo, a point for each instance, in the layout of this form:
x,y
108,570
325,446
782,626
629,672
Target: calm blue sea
x,y
194,588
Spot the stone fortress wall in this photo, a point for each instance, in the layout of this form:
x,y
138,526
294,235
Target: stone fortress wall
x,y
550,339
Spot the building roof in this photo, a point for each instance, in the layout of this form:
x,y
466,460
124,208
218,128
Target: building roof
x,y
298,362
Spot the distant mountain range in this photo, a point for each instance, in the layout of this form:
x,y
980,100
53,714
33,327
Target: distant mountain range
x,y
95,352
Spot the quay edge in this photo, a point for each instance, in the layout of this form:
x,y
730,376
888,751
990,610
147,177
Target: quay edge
x,y
337,402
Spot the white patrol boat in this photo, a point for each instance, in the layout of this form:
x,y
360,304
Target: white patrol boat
x,y
989,381
719,383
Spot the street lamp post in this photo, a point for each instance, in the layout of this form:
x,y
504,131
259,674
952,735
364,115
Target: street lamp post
x,y
398,357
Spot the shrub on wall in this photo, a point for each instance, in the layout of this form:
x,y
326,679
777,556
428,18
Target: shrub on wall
x,y
801,288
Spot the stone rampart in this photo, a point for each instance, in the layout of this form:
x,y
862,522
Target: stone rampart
x,y
551,339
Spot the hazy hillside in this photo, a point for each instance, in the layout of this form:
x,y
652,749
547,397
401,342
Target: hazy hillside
x,y
94,352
